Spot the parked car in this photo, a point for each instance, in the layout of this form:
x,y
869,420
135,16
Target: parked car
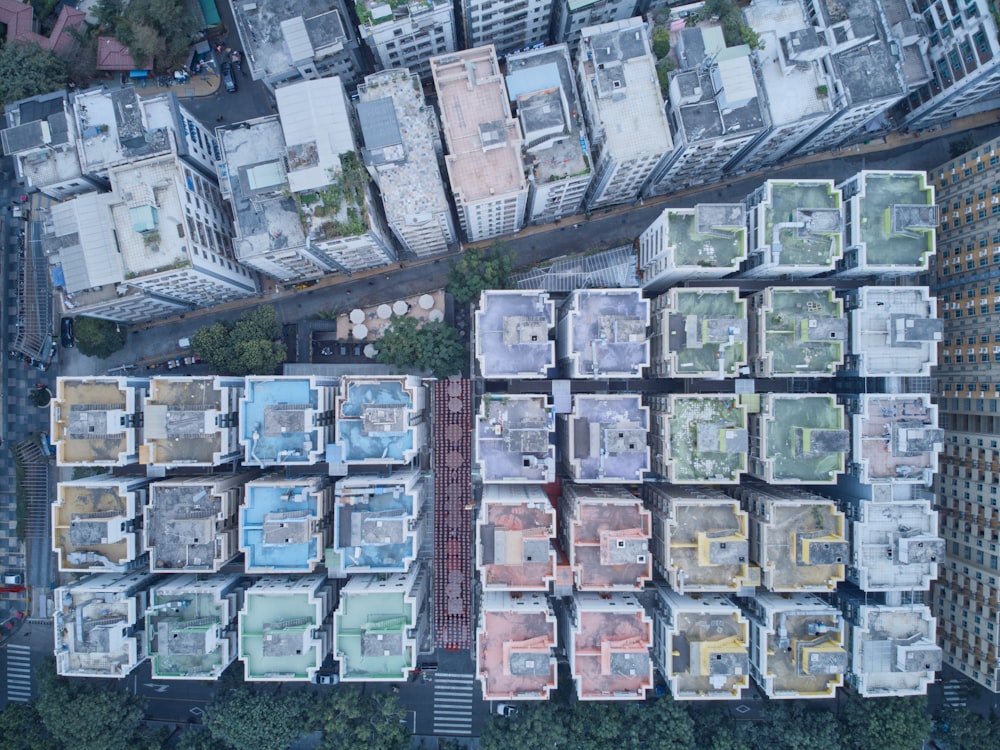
x,y
13,579
66,333
505,709
327,678
228,78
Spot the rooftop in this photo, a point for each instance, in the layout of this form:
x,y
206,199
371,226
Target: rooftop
x,y
190,524
893,220
94,524
186,421
895,439
799,439
380,420
604,438
799,331
893,650
514,646
895,547
602,333
705,438
703,332
42,133
93,421
515,439
710,235
483,140
283,524
316,125
894,331
869,72
608,647
281,420
512,334
515,529
120,127
719,100
802,223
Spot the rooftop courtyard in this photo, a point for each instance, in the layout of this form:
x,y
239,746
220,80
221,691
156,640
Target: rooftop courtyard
x,y
802,439
803,223
799,332
708,439
898,219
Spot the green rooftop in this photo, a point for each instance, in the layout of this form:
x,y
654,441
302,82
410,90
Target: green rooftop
x,y
705,332
182,638
805,439
276,636
371,635
804,219
708,439
804,331
898,219
709,235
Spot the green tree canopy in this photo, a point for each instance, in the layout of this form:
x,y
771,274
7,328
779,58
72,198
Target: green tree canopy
x,y
961,729
250,346
21,728
350,718
98,338
157,29
432,346
28,70
887,723
478,269
39,397
250,719
661,42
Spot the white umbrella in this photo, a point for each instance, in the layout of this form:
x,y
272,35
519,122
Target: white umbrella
x,y
436,316
370,351
357,315
399,307
426,302
384,312
360,331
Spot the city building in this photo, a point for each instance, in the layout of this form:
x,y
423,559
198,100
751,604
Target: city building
x,y
604,530
158,244
965,276
379,523
603,439
96,524
483,142
890,219
515,644
286,628
607,645
402,146
515,439
513,334
891,648
190,524
380,626
701,646
287,40
602,334
543,96
894,332
700,539
96,421
286,420
894,546
698,439
514,532
381,420
708,241
570,16
796,332
714,108
795,229
797,646
623,110
797,539
407,35
190,421
97,622
285,524
191,626
698,333
509,25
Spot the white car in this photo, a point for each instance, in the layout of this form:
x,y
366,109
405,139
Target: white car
x,y
505,709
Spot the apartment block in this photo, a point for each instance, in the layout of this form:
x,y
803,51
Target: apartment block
x,y
381,420
190,421
604,530
378,523
515,439
795,229
796,332
602,334
569,17
407,35
698,333
515,643
797,646
513,334
286,420
483,142
698,439
623,110
708,241
509,25
543,96
514,532
96,524
191,626
797,539
894,332
288,40
402,146
798,439
96,421
98,621
700,539
608,639
603,439
286,628
285,525
380,626
701,646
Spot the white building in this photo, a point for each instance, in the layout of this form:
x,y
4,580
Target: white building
x,y
894,331
708,241
96,421
570,16
506,24
407,35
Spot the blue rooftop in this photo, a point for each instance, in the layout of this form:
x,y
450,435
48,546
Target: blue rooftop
x,y
372,528
274,423
373,422
277,526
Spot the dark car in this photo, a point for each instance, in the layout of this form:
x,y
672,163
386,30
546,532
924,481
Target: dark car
x,y
227,77
66,333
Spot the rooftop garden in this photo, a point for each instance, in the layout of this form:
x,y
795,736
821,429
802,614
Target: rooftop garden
x,y
338,210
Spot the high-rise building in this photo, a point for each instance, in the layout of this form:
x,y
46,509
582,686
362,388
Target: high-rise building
x,y
506,24
407,35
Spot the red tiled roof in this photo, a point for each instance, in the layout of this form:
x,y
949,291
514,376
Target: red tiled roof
x,y
20,21
113,55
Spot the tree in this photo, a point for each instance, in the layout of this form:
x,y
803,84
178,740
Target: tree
x,y
478,269
432,346
661,42
887,723
157,29
21,728
39,397
252,720
91,716
250,346
28,70
98,338
349,718
961,729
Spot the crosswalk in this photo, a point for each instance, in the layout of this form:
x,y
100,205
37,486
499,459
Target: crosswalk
x,y
18,673
953,693
453,704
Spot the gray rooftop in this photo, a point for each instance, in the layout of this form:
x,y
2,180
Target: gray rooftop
x,y
513,334
869,73
380,129
604,438
514,439
603,333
